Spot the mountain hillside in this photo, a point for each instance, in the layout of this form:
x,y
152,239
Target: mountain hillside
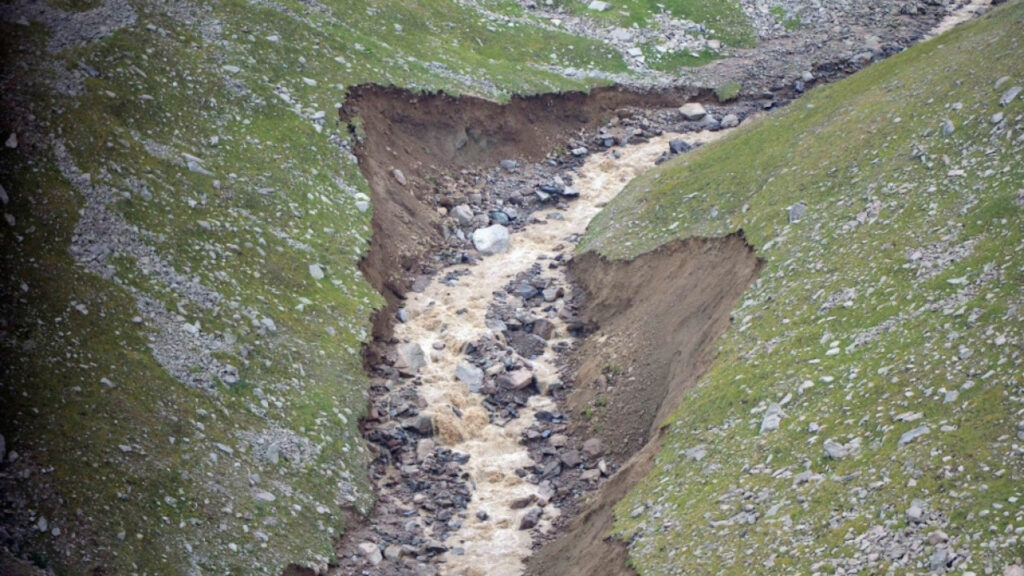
x,y
864,412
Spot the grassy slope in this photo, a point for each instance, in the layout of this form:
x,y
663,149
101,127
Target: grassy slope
x,y
282,196
848,151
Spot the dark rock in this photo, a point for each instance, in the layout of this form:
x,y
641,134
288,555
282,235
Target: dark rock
x,y
678,146
544,328
526,344
531,518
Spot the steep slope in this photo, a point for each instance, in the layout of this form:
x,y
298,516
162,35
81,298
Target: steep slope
x,y
183,314
863,414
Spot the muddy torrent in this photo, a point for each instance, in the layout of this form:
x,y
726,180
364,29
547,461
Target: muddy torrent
x,y
477,452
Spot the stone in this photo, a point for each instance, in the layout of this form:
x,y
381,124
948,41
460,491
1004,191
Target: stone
x,y
915,513
531,518
264,496
729,121
526,290
462,214
558,440
399,176
316,272
526,344
522,502
516,379
938,559
580,151
194,164
678,146
499,217
697,453
509,165
938,537
393,552
911,435
599,6
797,212
12,140
947,127
551,294
421,423
570,458
3,448
837,451
4,198
693,111
425,447
491,240
1013,570
590,475
1009,95
432,546
592,448
410,358
772,418
371,552
402,315
544,328
470,375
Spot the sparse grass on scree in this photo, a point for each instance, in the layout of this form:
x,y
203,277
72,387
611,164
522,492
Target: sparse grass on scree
x,y
895,303
149,475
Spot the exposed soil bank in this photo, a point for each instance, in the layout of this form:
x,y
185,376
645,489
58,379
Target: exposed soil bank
x,y
426,136
658,318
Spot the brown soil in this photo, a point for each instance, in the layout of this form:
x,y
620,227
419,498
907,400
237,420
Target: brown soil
x,y
426,136
658,318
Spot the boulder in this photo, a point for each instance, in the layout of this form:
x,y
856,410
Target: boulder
x,y
463,215
491,240
409,358
693,111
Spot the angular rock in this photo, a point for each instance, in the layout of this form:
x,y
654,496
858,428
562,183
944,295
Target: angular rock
x,y
544,328
797,212
526,344
371,552
911,435
693,111
516,379
592,448
462,214
1009,95
470,375
837,451
729,121
409,358
590,475
570,458
531,518
421,424
772,418
316,272
678,146
399,176
491,240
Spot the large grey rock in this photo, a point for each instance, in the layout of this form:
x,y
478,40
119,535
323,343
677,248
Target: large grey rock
x,y
797,212
531,518
599,6
371,552
470,375
316,271
516,379
491,240
463,215
837,451
772,418
693,111
1009,95
911,435
730,121
409,358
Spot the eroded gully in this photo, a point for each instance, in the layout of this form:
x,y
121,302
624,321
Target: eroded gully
x,y
453,313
